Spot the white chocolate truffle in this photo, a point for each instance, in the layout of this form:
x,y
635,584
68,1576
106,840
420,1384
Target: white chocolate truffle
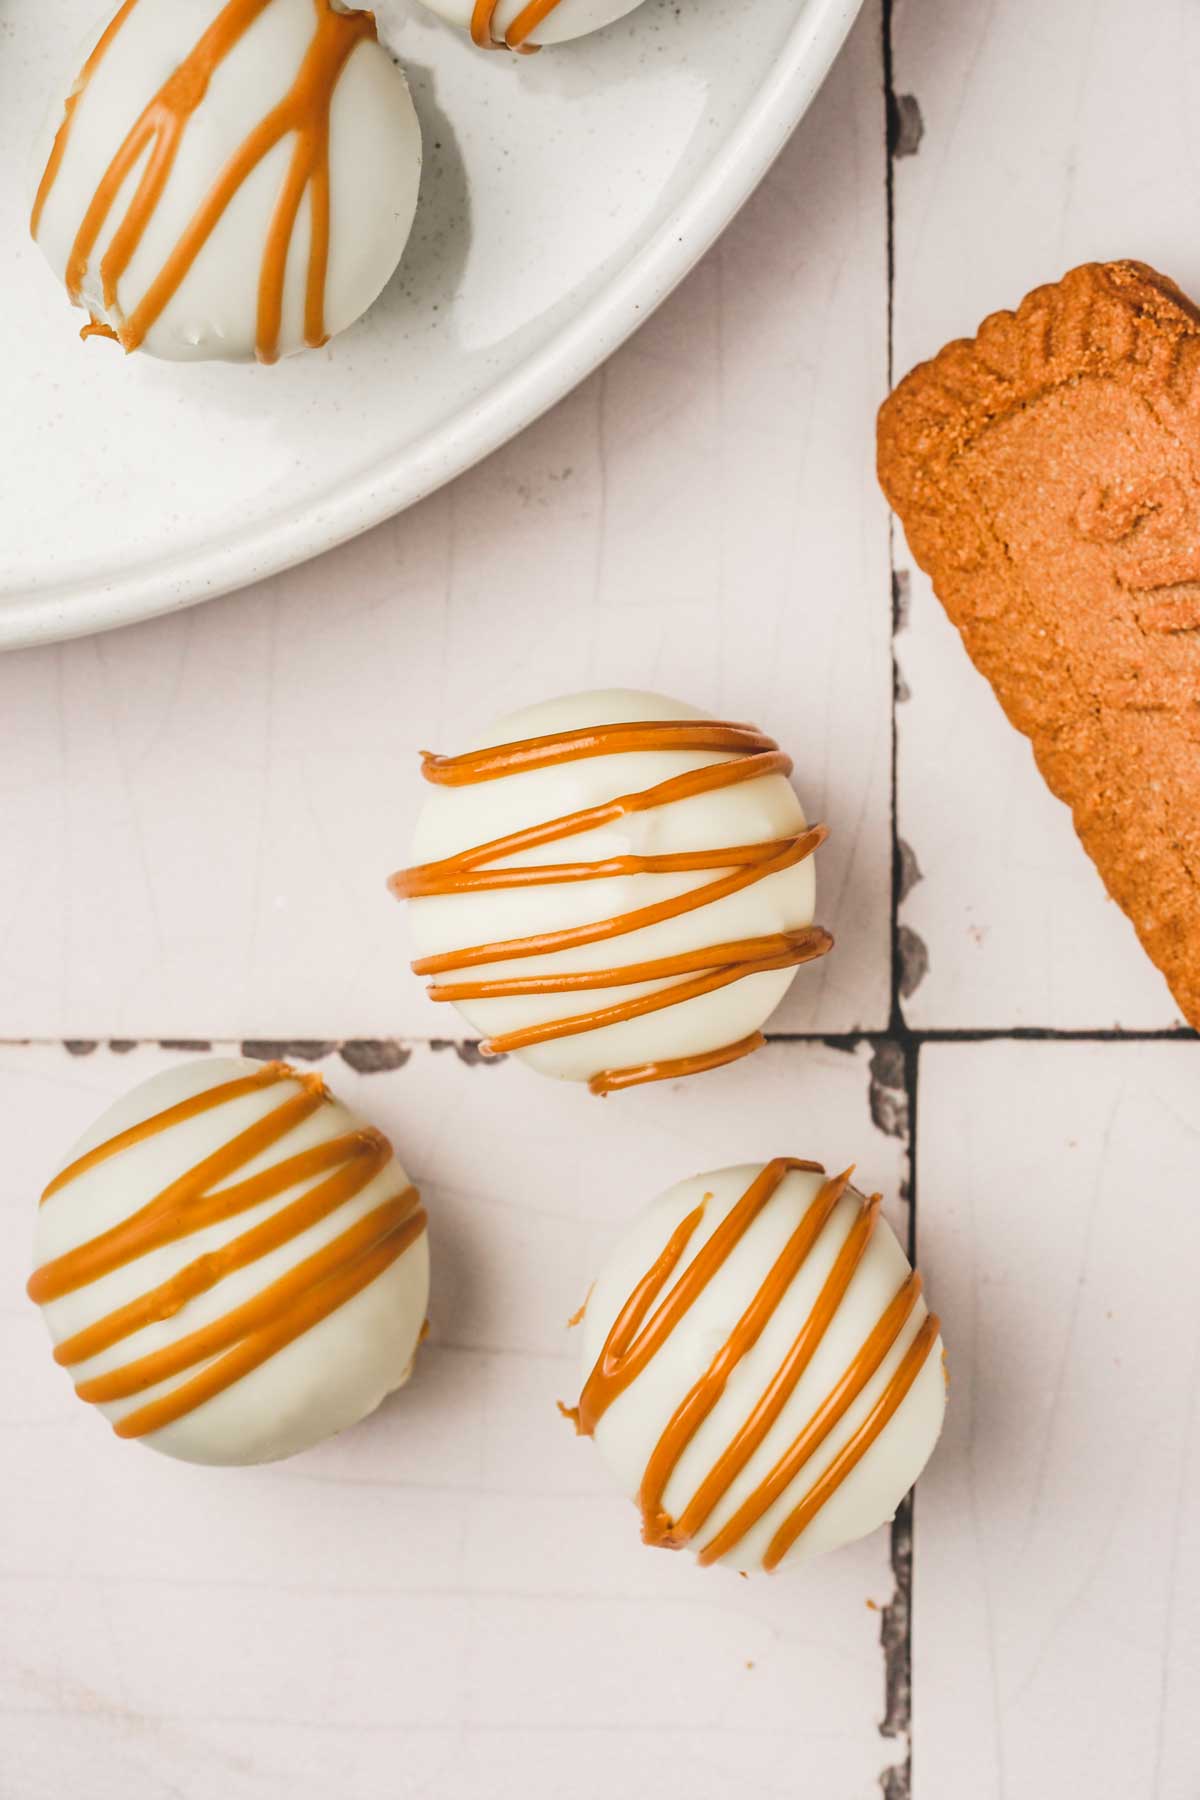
x,y
759,1369
614,887
526,25
229,178
232,1266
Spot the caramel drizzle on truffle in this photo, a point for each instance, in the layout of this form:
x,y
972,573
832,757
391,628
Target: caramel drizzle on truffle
x,y
752,755
483,15
638,1333
302,114
238,1341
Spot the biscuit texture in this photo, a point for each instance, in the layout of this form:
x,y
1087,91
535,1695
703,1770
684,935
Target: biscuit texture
x,y
1047,474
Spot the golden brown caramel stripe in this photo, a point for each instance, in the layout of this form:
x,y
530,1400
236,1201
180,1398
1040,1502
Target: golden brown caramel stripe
x,y
431,878
305,1310
604,930
787,958
267,1076
159,131
523,26
302,114
59,147
832,1409
159,127
526,23
884,1409
611,868
801,945
362,1156
704,1395
482,17
779,1390
320,208
296,183
594,1400
613,1081
265,1309
630,1347
306,114
498,760
189,1203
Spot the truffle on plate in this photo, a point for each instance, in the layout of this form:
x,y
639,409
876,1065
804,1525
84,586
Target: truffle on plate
x,y
232,1266
614,887
228,178
759,1367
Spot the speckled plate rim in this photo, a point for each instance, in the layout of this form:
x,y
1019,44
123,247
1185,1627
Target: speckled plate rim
x,y
168,584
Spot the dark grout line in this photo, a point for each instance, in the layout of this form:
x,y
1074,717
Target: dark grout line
x,y
895,1633
897,1031
909,1039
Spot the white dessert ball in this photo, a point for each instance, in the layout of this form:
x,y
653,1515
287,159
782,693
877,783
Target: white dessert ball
x,y
232,1266
529,24
228,178
760,1371
614,887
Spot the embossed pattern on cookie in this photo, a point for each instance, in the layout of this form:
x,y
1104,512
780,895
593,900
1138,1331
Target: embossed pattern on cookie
x,y
1047,474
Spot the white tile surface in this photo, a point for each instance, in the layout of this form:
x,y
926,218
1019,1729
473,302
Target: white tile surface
x,y
450,1598
208,804
1053,135
1057,1605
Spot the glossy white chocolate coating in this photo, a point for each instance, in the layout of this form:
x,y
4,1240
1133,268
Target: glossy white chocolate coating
x,y
454,819
374,167
628,1431
335,1373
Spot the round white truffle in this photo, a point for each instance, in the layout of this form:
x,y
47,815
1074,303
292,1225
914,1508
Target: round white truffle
x,y
530,24
229,180
759,1368
621,893
232,1266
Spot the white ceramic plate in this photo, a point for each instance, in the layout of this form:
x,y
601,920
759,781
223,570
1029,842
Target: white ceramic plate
x,y
563,196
